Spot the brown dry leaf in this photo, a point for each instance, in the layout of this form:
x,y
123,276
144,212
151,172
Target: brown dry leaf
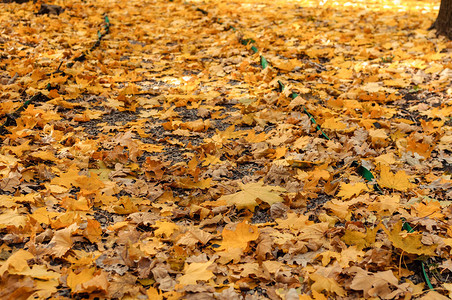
x,y
433,295
62,240
379,284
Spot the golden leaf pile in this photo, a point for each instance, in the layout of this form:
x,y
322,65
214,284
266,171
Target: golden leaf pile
x,y
225,150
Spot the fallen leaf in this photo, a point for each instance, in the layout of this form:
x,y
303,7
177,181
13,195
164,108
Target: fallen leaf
x,y
408,242
348,190
329,285
196,271
399,181
240,237
250,192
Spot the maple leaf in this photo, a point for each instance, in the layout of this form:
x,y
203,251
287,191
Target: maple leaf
x,y
386,159
12,218
381,284
240,237
17,261
385,204
38,271
322,283
252,191
348,190
165,228
75,280
68,178
399,181
62,240
99,282
89,184
294,222
431,209
187,183
196,271
408,242
93,231
211,112
153,293
193,236
360,239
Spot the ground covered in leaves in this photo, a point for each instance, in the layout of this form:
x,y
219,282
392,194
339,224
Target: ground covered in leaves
x,y
225,150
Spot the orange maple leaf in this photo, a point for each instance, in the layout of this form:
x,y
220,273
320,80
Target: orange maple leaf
x,y
243,234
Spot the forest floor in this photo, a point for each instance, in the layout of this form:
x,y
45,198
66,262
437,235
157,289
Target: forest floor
x,y
225,150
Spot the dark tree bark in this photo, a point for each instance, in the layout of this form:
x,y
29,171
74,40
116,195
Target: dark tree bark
x,y
443,23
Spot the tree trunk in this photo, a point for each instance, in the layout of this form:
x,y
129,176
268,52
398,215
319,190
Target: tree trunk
x,y
443,23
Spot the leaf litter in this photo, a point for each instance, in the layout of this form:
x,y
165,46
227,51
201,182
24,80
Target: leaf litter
x,y
243,150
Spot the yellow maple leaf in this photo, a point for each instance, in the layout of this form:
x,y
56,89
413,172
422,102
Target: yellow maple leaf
x,y
195,272
165,228
99,282
348,190
334,124
385,204
17,261
240,237
408,242
12,218
90,184
386,159
252,137
360,239
294,222
19,149
378,137
345,74
322,283
76,280
187,183
68,178
38,271
44,155
250,192
399,181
